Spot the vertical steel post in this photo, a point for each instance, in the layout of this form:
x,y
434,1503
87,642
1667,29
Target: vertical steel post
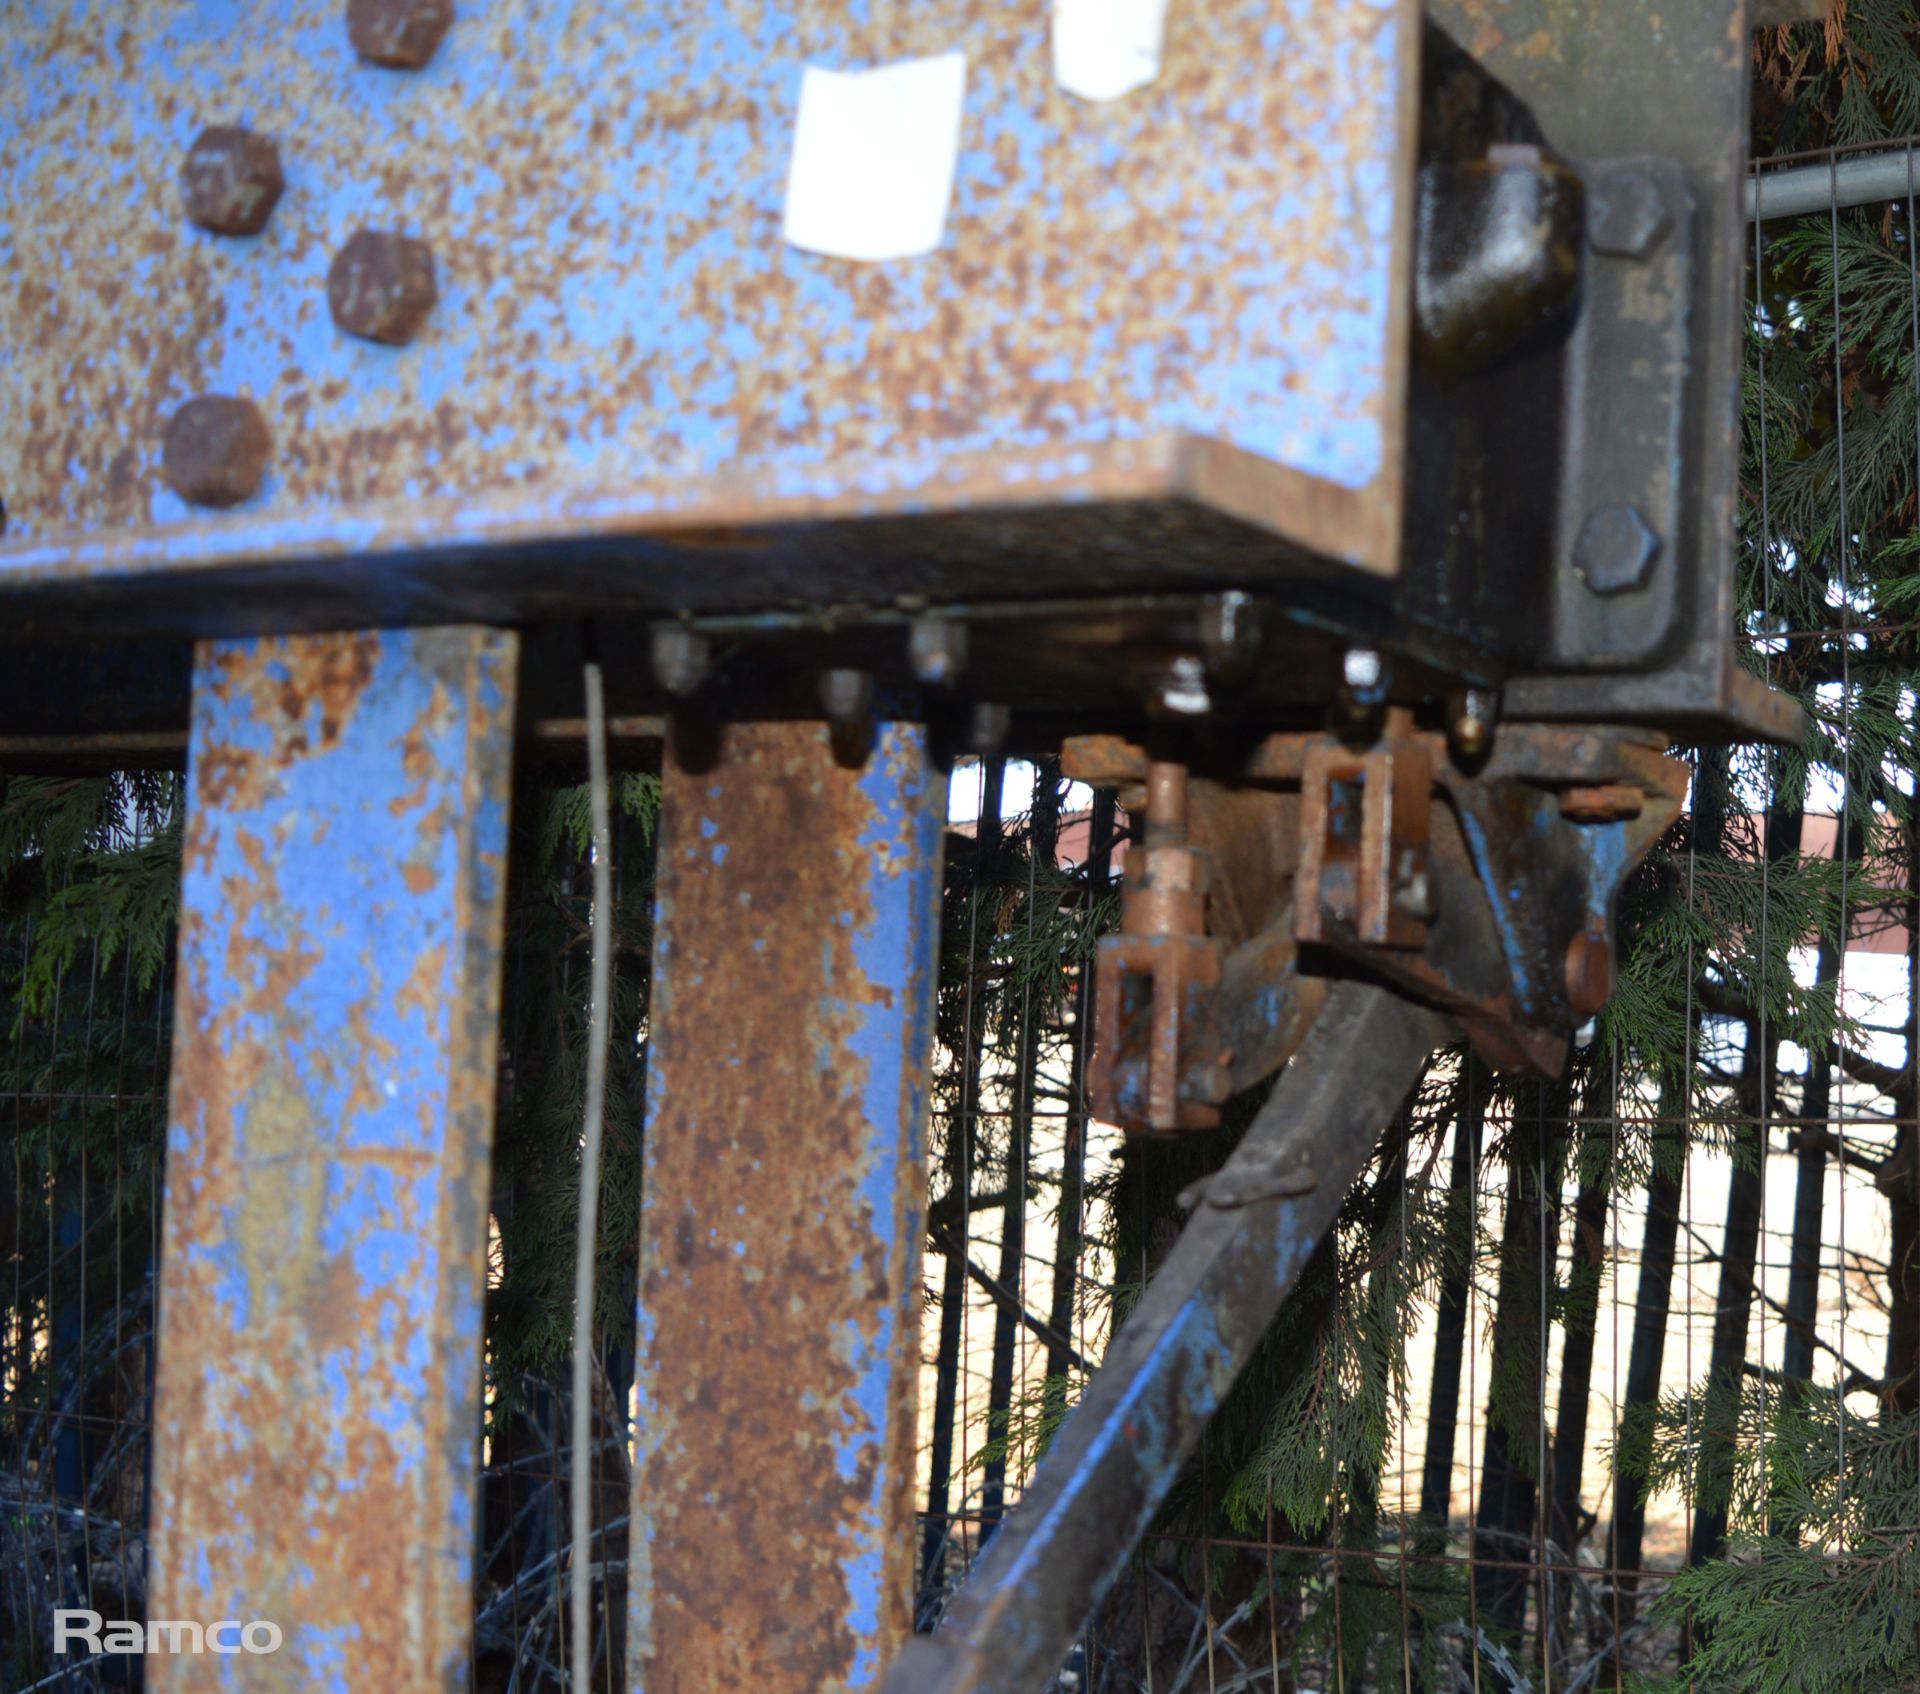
x,y
325,1226
791,1024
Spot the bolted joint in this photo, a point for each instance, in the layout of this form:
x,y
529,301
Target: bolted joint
x,y
937,650
681,658
1182,691
1471,720
847,694
1365,678
1230,634
215,450
1615,549
1497,261
1627,212
381,286
400,34
988,725
230,180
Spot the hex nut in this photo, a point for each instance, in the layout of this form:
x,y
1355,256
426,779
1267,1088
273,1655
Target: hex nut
x,y
400,34
937,649
681,658
215,450
988,725
380,286
1627,213
847,694
231,180
1615,549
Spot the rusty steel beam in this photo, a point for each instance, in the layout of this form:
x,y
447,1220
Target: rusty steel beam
x,y
317,1413
791,1028
1255,1225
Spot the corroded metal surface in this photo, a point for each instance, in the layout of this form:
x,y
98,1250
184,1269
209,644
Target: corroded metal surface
x,y
1199,288
327,1160
779,1282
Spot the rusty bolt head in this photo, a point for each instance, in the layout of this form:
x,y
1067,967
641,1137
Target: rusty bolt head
x,y
1589,968
1615,549
215,452
381,286
1627,214
400,34
231,180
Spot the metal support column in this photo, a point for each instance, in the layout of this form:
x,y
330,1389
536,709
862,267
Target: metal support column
x,y
793,993
325,1229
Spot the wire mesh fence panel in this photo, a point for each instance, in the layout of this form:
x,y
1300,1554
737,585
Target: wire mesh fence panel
x,y
88,908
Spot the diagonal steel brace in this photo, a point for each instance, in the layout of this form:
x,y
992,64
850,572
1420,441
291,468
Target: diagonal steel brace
x,y
1255,1225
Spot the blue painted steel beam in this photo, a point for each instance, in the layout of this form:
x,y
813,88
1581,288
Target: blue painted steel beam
x,y
1195,291
325,1228
778,1352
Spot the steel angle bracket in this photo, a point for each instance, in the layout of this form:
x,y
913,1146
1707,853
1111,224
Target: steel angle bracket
x,y
1254,1227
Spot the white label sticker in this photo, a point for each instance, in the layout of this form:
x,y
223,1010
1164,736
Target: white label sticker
x,y
1103,49
873,158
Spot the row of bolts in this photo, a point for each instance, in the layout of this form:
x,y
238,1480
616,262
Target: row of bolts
x,y
380,285
681,657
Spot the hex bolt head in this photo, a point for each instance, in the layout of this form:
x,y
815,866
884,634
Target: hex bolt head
x,y
1183,690
1615,549
400,34
1473,715
231,180
215,451
1627,214
1360,668
937,649
847,694
681,658
987,727
380,286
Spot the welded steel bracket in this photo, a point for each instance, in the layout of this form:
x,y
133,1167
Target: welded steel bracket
x,y
778,1360
331,1116
1486,888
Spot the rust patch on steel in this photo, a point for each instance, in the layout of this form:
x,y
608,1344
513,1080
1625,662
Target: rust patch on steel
x,y
779,1288
216,448
327,1164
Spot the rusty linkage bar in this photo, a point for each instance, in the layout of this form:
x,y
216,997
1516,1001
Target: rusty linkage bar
x,y
1156,971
